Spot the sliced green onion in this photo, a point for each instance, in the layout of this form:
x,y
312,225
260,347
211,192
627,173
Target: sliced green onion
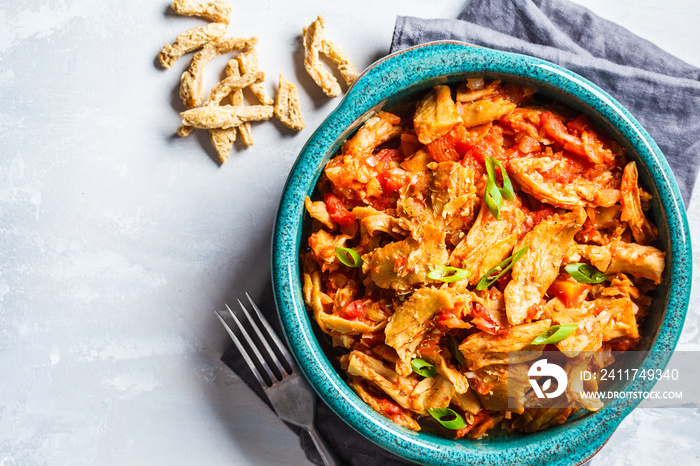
x,y
448,274
554,334
453,346
423,368
585,273
490,277
493,199
448,418
493,195
348,257
507,189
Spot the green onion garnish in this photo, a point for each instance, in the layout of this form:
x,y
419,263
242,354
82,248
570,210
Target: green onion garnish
x,y
585,273
453,346
448,274
490,277
493,198
493,195
348,257
423,368
554,334
448,418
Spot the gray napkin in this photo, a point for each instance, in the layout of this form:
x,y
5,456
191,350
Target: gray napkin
x,y
660,90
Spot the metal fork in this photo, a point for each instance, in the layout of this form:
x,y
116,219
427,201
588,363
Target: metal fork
x,y
291,396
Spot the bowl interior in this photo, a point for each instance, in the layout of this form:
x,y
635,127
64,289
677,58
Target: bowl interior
x,y
402,77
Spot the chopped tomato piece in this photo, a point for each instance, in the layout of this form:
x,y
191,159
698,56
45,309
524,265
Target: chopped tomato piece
x,y
382,202
444,149
536,216
389,155
555,129
355,310
570,292
391,180
463,146
447,319
587,145
483,320
491,145
337,210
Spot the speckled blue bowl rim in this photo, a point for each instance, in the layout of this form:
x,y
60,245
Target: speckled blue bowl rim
x,y
406,72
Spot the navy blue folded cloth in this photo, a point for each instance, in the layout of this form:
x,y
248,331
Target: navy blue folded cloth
x,y
661,91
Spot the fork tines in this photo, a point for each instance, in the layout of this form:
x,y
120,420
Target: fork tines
x,y
274,362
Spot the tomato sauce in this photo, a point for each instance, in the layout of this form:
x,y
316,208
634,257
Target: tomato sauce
x,y
337,210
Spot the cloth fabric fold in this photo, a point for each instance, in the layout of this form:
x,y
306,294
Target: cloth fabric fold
x,y
660,90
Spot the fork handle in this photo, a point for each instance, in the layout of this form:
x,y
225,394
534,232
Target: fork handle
x,y
327,455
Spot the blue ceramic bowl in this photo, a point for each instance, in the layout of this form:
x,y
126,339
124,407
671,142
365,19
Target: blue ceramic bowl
x,y
396,78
